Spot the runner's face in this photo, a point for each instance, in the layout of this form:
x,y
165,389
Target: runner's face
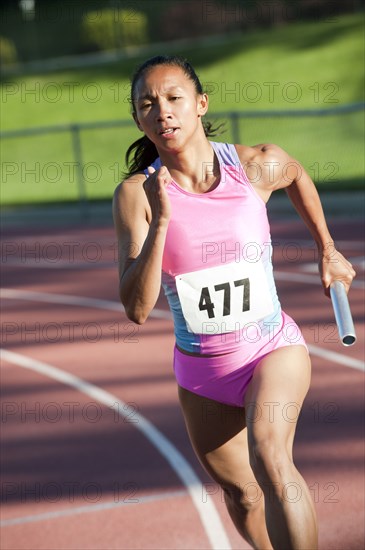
x,y
167,108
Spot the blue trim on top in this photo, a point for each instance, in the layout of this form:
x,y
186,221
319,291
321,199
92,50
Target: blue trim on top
x,y
226,153
156,164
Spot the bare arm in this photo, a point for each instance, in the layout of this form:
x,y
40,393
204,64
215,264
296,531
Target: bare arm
x,y
332,264
278,170
141,215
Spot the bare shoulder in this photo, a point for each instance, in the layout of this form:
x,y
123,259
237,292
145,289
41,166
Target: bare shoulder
x,y
129,195
131,216
130,187
268,166
263,152
129,200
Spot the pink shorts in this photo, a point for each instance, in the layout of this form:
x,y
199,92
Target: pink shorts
x,y
225,378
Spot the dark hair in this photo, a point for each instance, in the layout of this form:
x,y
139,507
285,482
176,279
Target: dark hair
x,y
143,152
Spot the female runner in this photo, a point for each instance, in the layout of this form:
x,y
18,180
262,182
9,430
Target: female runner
x,y
192,215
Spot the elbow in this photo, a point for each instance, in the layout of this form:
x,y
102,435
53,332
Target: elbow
x,y
134,314
136,317
135,311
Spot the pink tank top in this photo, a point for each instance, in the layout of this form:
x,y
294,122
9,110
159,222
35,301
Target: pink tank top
x,y
216,270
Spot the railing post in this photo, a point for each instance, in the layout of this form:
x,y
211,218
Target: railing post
x,y
76,145
235,127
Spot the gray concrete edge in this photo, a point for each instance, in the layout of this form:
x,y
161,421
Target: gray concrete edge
x,y
336,205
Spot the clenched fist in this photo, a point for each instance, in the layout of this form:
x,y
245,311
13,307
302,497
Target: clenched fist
x,y
155,189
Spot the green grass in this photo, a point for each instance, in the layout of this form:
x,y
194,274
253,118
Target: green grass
x,y
313,65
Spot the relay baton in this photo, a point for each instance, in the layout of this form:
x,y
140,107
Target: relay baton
x,y
341,307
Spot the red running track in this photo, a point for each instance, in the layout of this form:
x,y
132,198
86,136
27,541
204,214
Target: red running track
x,y
113,469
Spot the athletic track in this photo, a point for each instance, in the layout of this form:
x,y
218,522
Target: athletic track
x,y
94,449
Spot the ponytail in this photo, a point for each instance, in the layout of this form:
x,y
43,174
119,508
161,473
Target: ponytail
x,y
140,155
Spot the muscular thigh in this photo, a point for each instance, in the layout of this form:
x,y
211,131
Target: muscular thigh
x,y
224,436
275,396
219,437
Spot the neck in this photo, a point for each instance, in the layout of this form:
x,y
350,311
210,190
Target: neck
x,y
195,168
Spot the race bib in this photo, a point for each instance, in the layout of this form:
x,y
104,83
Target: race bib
x,y
225,297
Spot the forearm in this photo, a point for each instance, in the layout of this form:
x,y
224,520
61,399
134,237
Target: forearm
x,y
140,284
332,265
304,196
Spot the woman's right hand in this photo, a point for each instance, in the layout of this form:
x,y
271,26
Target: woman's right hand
x,y
155,189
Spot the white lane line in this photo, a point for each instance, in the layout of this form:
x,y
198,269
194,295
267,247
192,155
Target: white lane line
x,y
337,357
89,508
308,279
65,299
207,511
73,242
307,243
283,275
70,300
33,263
358,262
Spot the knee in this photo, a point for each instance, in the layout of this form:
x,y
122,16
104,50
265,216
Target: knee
x,y
270,460
242,500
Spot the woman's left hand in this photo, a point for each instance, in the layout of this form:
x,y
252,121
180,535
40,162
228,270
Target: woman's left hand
x,y
333,266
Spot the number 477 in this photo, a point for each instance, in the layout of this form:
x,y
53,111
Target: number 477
x,y
205,302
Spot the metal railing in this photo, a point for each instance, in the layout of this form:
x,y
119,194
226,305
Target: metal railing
x,y
232,118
